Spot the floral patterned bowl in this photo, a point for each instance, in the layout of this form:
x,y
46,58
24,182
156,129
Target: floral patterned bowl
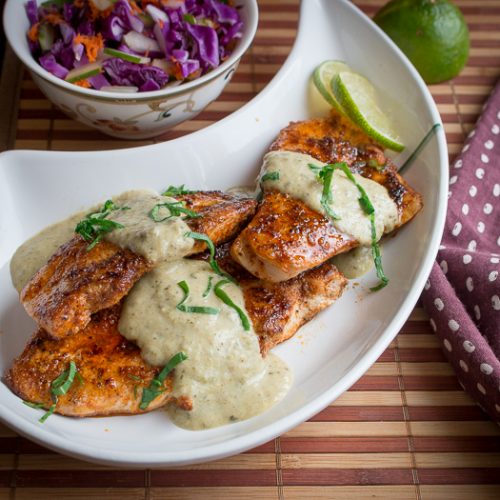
x,y
129,116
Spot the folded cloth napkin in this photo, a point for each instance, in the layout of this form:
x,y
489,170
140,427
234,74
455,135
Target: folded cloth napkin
x,y
462,295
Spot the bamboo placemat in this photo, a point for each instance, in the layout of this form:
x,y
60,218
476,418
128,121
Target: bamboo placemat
x,y
406,430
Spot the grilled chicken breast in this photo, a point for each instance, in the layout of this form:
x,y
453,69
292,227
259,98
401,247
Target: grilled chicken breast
x,y
76,283
111,371
286,237
336,139
278,310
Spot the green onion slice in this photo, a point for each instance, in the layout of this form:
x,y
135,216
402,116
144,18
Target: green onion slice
x,y
156,387
175,208
189,18
83,76
95,225
192,309
211,249
219,292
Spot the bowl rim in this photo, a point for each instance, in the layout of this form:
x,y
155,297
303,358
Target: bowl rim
x,y
250,28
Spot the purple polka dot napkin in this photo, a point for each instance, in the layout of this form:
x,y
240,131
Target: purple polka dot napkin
x,y
462,295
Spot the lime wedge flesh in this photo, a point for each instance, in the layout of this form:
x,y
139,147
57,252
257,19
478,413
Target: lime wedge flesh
x,y
358,97
323,75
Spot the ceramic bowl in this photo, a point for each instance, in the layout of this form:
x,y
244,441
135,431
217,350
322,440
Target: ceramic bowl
x,y
129,116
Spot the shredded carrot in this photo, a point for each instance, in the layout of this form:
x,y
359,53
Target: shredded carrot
x,y
33,32
83,83
93,44
177,72
156,3
96,13
53,18
160,23
79,3
135,7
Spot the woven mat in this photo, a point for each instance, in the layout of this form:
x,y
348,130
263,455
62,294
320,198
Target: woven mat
x,y
406,430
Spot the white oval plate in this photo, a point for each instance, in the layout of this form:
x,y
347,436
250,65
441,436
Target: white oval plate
x,y
331,352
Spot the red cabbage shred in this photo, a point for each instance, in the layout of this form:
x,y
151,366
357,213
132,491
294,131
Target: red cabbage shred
x,y
159,41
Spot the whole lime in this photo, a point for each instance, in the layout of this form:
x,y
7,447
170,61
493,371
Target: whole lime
x,y
432,33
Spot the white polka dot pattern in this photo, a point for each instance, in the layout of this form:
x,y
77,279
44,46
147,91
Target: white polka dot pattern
x,y
463,293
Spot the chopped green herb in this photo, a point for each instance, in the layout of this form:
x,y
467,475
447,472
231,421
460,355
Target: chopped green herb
x,y
156,387
59,386
48,413
211,249
326,173
176,191
209,287
219,292
95,225
270,176
377,258
135,378
36,406
419,148
175,209
192,309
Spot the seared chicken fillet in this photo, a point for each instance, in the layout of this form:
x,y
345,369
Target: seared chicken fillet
x,y
278,310
286,237
111,371
76,283
335,139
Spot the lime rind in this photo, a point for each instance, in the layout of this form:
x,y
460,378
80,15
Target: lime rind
x,y
359,100
322,78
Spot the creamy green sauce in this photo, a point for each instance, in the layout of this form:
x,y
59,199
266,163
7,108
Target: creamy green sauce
x,y
156,241
35,252
354,263
225,376
299,181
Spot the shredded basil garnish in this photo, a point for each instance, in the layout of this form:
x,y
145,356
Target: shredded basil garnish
x,y
419,148
58,387
156,387
175,208
36,406
270,176
209,287
325,174
211,249
192,309
95,225
222,295
176,191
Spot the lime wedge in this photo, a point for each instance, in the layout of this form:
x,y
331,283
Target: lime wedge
x,y
323,76
358,97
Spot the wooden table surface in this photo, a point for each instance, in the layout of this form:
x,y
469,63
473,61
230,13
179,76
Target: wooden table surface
x,y
406,430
